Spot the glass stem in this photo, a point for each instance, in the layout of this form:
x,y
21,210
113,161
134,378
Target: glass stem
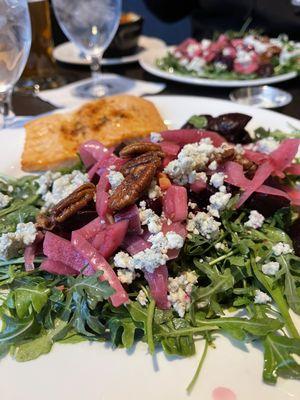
x,y
6,114
96,69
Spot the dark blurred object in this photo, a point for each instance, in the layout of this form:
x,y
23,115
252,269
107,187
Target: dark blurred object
x,y
295,236
40,71
231,126
209,16
126,39
266,204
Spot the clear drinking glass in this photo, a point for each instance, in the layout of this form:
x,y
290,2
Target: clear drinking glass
x,y
91,26
15,40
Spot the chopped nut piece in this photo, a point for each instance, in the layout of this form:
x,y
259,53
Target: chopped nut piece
x,y
153,157
135,149
134,184
67,207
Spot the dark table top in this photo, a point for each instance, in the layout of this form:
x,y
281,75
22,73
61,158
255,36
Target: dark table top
x,y
30,105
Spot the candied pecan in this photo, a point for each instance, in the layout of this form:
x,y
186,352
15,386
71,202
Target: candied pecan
x,y
134,184
153,157
248,166
228,154
137,148
67,207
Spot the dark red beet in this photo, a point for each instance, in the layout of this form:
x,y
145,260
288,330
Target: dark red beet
x,y
294,233
266,204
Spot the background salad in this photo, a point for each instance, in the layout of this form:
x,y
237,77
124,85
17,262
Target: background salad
x,y
233,56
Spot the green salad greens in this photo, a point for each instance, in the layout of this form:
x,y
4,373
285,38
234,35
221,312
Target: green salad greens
x,y
231,295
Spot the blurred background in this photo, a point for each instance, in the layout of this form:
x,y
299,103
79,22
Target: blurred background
x,y
171,33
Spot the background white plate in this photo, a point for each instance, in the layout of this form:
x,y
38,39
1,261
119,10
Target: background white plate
x,y
148,59
95,371
69,53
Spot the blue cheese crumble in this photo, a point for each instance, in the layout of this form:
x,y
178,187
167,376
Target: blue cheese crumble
x,y
115,179
62,187
4,200
255,220
270,268
261,297
155,137
192,158
282,248
180,289
13,242
203,224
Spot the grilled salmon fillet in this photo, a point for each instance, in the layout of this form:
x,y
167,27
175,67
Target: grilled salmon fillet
x,y
52,142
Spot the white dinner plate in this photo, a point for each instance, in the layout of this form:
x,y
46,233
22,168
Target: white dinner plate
x,y
148,63
69,53
96,371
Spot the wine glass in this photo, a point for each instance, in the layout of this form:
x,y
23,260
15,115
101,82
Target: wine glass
x,y
15,41
91,26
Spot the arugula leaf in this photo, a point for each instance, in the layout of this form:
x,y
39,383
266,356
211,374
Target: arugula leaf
x,y
25,297
199,121
220,282
278,359
30,350
15,330
239,327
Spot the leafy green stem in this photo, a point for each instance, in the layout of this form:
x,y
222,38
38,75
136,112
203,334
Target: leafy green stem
x,y
277,296
149,325
221,258
198,370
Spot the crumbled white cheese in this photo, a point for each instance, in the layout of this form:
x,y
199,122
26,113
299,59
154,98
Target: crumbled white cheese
x,y
217,179
266,145
203,224
255,220
192,205
11,243
192,49
243,56
149,218
115,179
213,165
281,248
270,268
180,289
123,260
239,149
192,158
63,186
258,46
142,298
261,297
218,202
220,246
156,137
154,191
45,181
174,240
149,260
196,64
126,276
4,200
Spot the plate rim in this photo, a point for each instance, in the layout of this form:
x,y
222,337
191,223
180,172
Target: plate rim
x,y
154,70
108,61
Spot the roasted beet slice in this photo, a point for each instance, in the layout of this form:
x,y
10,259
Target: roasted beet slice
x,y
231,126
265,70
294,233
266,204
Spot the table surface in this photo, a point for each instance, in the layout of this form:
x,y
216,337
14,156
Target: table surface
x,y
30,105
